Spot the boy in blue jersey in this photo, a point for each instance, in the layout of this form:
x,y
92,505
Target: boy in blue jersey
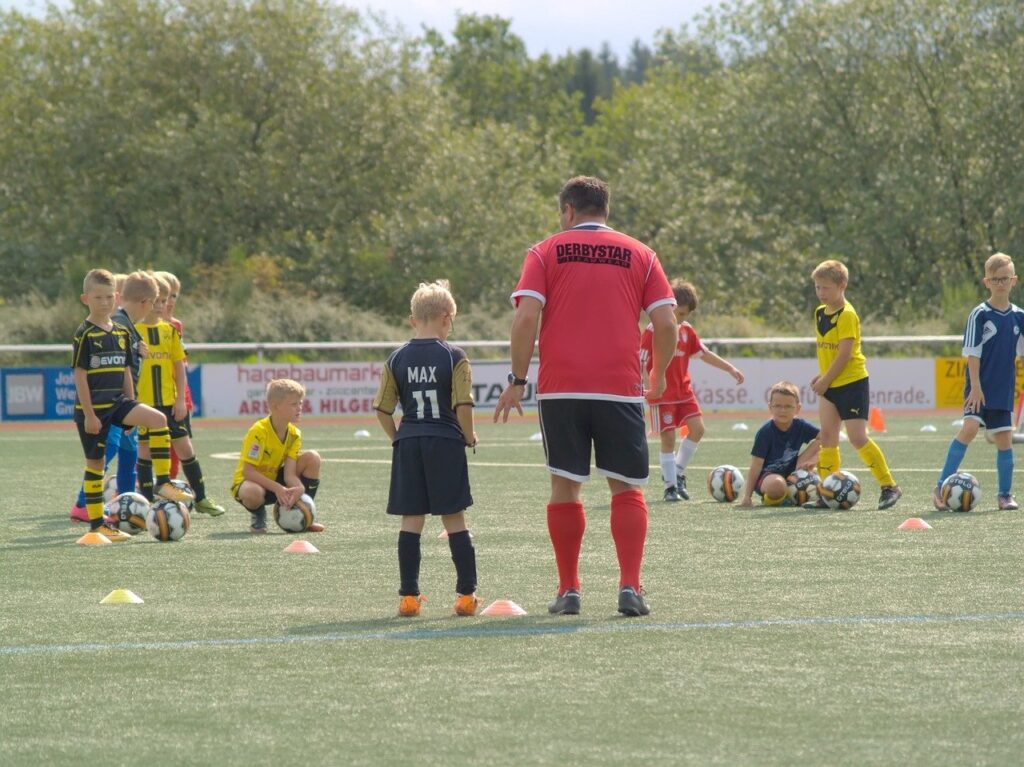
x,y
779,447
433,383
992,342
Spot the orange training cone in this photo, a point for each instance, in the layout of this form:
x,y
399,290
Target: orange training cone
x,y
915,523
683,431
876,421
301,547
503,608
93,539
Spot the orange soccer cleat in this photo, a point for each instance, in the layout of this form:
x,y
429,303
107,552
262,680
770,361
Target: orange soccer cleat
x,y
466,604
409,607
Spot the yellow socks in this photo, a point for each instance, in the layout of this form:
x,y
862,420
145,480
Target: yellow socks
x,y
828,461
93,487
872,456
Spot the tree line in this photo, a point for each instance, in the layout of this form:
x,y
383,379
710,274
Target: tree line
x,y
298,146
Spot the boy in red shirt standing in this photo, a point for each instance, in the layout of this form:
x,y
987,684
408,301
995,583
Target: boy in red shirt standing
x,y
678,406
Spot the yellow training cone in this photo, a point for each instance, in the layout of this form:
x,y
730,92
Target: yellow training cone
x,y
121,597
93,539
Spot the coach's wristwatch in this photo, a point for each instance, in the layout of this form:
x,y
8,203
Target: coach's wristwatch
x,y
513,381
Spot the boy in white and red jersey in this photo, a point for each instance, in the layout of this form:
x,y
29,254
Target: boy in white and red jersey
x,y
678,406
591,387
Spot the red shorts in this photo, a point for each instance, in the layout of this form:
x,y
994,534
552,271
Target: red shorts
x,y
672,415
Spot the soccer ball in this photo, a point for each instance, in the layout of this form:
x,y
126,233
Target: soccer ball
x,y
298,518
184,487
802,486
725,483
128,513
109,490
167,520
960,492
840,490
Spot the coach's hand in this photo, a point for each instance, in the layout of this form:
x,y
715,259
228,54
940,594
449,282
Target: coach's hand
x,y
509,399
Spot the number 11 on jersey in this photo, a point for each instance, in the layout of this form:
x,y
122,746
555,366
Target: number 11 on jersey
x,y
431,396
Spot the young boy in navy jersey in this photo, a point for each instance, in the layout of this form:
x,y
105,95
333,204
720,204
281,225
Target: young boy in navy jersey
x,y
779,446
433,383
992,342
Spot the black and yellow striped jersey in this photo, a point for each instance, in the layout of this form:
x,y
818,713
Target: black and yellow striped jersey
x,y
156,380
104,355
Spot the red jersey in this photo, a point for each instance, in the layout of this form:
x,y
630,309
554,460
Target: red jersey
x,y
593,282
176,323
677,376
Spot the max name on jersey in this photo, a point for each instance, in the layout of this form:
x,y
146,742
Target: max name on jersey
x,y
115,360
422,374
593,254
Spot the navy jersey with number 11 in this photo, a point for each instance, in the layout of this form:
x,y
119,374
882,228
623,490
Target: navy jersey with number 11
x,y
428,378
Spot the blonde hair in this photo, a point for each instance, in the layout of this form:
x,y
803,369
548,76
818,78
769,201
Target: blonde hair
x,y
138,286
119,282
280,388
685,294
162,285
97,277
432,300
997,261
786,388
173,282
832,270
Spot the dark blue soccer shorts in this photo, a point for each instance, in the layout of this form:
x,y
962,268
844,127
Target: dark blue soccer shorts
x,y
852,400
429,475
95,445
615,429
993,420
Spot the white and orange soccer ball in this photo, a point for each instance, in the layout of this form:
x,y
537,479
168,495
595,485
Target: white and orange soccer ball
x,y
802,486
167,520
298,518
840,490
960,491
725,483
128,513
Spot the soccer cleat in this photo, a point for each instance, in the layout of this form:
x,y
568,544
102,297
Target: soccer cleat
x,y
206,506
172,493
937,501
258,530
111,533
79,513
316,527
1006,503
566,603
818,504
890,494
466,604
672,494
631,602
681,487
409,606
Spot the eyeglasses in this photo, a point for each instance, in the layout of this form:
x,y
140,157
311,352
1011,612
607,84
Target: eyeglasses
x,y
1001,280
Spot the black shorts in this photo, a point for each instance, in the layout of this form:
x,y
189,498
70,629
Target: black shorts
x,y
268,497
429,475
852,400
994,421
178,429
616,430
95,445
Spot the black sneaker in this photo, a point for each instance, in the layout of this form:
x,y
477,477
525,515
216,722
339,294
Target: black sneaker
x,y
818,504
681,487
672,495
890,494
631,602
566,603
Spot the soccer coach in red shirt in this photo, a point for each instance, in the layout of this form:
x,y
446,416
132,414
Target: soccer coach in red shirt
x,y
586,287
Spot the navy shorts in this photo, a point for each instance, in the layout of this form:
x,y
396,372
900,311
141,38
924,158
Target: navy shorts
x,y
993,420
615,429
95,445
178,429
429,475
852,400
268,497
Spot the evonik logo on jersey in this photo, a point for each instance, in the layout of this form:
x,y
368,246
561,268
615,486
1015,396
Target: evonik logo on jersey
x,y
107,360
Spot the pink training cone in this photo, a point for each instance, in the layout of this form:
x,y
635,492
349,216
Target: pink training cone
x,y
915,523
301,547
502,608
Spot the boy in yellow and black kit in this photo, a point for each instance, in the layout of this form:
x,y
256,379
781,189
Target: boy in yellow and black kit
x,y
842,383
162,385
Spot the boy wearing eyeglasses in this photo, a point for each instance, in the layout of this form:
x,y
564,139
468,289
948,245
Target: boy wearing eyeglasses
x,y
993,340
842,383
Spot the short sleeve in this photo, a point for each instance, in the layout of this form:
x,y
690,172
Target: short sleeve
x,y
657,291
177,347
533,279
974,334
296,445
77,346
762,442
848,325
386,399
694,345
252,445
462,383
810,432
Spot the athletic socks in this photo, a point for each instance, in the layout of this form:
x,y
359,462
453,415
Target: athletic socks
x,y
409,563
872,456
684,453
92,486
954,457
311,484
828,461
1004,468
146,478
127,457
258,518
176,463
668,468
629,531
464,557
194,475
566,525
160,454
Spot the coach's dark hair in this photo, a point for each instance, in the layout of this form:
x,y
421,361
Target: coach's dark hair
x,y
589,195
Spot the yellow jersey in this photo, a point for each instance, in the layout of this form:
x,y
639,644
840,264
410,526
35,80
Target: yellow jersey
x,y
266,451
156,378
829,330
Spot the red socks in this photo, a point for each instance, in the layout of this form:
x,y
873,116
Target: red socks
x,y
566,524
629,531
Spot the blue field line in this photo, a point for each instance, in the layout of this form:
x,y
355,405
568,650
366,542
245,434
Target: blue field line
x,y
504,630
